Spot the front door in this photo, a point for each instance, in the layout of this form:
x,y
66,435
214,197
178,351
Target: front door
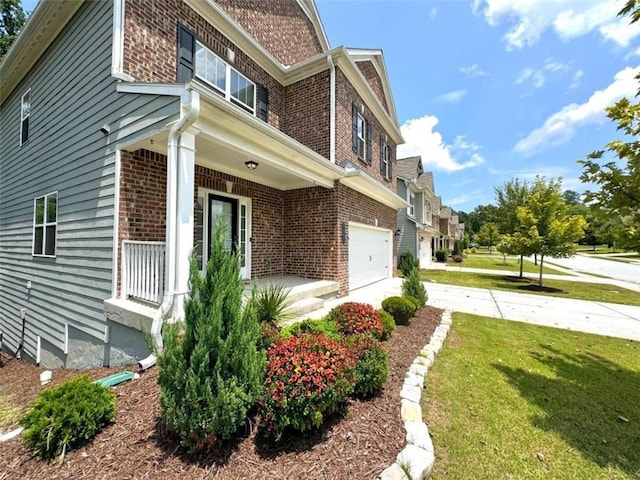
x,y
235,214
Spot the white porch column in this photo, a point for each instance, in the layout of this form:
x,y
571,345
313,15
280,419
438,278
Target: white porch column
x,y
184,212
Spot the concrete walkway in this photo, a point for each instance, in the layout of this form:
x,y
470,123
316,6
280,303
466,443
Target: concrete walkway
x,y
622,321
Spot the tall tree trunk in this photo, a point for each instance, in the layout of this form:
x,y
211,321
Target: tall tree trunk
x,y
521,266
541,261
535,259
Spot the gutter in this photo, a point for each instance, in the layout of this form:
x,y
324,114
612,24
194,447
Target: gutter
x,y
332,110
190,112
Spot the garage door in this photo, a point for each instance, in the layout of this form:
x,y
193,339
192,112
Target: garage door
x,y
369,255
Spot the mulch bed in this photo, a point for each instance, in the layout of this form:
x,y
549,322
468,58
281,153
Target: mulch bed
x,y
357,446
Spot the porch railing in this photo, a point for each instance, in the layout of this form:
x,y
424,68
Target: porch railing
x,y
143,270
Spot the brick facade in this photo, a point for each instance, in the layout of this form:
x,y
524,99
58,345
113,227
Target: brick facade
x,y
150,47
371,74
280,26
346,94
307,113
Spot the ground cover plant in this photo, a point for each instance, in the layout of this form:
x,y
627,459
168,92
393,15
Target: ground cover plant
x,y
512,400
67,416
355,318
598,292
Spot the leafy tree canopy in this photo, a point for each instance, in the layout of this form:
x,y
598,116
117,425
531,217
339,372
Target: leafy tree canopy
x,y
12,19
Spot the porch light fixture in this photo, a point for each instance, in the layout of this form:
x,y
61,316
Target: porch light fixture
x,y
251,165
398,232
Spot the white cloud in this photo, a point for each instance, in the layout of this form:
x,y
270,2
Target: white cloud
x,y
538,77
451,97
465,198
529,19
473,71
569,180
577,79
434,12
422,139
632,53
560,127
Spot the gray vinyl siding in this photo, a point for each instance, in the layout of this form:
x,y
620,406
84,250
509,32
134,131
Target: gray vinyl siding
x,y
72,96
407,240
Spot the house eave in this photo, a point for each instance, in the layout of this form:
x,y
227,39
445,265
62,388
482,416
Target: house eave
x,y
362,182
42,27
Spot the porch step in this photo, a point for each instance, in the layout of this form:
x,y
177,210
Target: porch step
x,y
321,289
305,305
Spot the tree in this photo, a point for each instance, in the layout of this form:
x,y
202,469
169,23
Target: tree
x,y
211,370
509,197
546,227
12,19
489,235
619,179
571,198
479,216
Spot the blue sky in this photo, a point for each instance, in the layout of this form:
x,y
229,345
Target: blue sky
x,y
490,90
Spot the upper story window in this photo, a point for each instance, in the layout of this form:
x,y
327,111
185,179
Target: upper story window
x,y
428,218
45,225
411,198
25,113
361,134
385,158
225,79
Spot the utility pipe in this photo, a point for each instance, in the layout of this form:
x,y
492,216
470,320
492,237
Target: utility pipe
x,y
190,106
332,110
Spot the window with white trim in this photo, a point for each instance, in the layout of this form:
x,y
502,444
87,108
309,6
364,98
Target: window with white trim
x,y
385,159
428,217
361,131
411,198
225,79
45,225
25,113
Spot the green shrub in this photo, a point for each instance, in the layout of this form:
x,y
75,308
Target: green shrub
x,y
371,367
412,286
354,318
414,301
457,258
441,255
272,304
400,308
388,324
308,376
67,416
325,326
457,248
212,368
407,263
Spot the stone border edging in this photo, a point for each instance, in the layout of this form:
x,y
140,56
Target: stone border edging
x,y
415,461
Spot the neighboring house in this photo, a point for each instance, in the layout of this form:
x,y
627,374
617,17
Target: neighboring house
x,y
127,128
418,223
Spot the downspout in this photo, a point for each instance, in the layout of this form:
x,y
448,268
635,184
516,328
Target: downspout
x,y
332,110
190,106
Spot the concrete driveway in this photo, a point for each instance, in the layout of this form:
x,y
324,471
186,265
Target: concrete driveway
x,y
626,272
609,319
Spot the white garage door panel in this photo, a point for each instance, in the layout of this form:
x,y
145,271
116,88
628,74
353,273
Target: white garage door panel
x,y
369,253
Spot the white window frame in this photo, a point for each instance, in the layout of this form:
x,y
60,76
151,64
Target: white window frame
x,y
25,117
428,216
361,130
226,91
45,223
411,198
385,158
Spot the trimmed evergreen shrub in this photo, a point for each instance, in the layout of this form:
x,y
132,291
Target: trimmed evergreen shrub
x,y
457,248
67,416
400,308
407,263
325,326
309,376
388,324
441,255
354,318
412,286
212,369
371,367
414,301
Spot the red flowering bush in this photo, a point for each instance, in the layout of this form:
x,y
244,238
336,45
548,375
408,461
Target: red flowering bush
x,y
308,377
371,367
353,318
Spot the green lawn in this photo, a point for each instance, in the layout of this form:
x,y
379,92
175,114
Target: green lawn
x,y
495,262
507,400
579,290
